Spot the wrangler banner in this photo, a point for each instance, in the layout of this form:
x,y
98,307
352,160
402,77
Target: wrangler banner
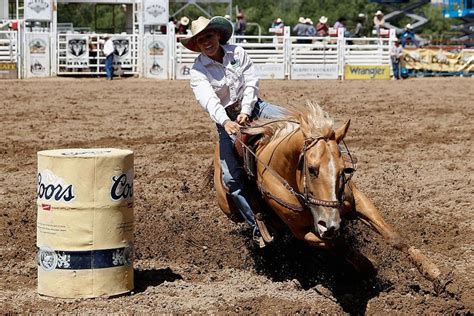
x,y
438,60
367,72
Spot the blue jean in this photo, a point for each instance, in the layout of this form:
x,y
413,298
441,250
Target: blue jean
x,y
109,67
232,170
396,69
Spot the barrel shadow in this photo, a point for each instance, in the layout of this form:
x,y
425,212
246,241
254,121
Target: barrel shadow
x,y
153,277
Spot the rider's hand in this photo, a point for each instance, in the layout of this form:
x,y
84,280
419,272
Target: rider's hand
x,y
243,119
231,127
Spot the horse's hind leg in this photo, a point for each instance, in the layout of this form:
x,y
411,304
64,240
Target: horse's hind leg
x,y
369,214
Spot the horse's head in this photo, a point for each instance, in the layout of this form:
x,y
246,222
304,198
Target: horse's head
x,y
321,174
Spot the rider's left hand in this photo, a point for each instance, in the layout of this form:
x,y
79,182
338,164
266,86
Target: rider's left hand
x,y
243,119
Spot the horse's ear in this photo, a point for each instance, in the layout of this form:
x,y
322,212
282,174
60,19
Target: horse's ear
x,y
341,131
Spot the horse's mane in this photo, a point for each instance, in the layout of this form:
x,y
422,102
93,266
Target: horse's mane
x,y
310,118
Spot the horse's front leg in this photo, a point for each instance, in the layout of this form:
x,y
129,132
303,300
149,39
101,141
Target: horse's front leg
x,y
369,214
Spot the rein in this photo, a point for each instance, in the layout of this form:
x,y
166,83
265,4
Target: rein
x,y
306,199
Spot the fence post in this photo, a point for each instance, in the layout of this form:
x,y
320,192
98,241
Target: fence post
x,y
54,40
171,50
341,52
286,51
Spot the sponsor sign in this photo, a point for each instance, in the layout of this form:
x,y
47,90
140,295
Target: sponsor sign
x,y
122,52
156,56
314,71
269,71
37,54
38,10
8,70
438,60
155,12
183,71
366,72
77,55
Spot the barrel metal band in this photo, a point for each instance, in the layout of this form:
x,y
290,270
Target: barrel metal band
x,y
49,259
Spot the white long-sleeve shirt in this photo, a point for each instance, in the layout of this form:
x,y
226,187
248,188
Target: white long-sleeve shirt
x,y
108,47
217,86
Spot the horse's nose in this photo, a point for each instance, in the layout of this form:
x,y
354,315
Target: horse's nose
x,y
327,230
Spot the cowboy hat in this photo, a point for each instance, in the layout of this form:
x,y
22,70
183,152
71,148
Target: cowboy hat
x,y
323,19
409,26
184,20
218,23
379,12
301,19
278,20
308,21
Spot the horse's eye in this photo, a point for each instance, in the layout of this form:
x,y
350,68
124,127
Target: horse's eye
x,y
348,170
313,171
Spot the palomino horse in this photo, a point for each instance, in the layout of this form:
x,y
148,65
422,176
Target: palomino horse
x,y
302,178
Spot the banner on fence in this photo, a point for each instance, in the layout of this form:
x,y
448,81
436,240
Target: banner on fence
x,y
367,72
156,56
314,71
437,60
270,71
122,52
77,52
155,12
38,10
37,54
8,70
183,71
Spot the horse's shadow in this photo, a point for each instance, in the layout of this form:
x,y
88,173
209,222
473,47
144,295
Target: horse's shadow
x,y
291,259
153,277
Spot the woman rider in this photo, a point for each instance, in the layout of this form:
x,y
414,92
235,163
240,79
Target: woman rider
x,y
224,83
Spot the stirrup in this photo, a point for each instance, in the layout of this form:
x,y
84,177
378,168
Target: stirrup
x,y
257,238
267,237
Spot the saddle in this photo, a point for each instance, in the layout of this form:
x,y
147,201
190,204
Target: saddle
x,y
245,145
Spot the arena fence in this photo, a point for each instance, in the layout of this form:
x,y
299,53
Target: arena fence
x,y
80,54
162,56
281,57
9,54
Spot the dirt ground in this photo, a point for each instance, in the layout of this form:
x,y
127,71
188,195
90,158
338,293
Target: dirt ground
x,y
414,142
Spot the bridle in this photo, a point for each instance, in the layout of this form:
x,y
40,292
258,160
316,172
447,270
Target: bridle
x,y
307,199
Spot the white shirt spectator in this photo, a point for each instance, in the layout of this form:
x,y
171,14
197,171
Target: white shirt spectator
x,y
108,47
217,86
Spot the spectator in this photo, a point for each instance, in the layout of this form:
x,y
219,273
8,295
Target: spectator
x,y
182,27
359,29
278,26
240,26
408,37
108,51
300,29
322,28
341,24
310,31
396,55
379,22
